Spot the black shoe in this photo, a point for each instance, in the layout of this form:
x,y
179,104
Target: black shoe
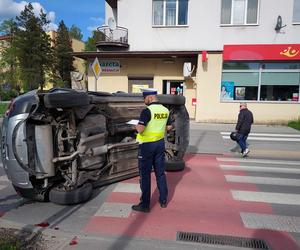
x,y
139,208
163,205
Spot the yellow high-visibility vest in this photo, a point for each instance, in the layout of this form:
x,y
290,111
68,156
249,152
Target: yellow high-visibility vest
x,y
156,127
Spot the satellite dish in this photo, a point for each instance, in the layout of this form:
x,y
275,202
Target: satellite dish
x,y
112,23
279,24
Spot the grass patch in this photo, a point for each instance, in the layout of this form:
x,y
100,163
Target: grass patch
x,y
294,124
15,239
3,108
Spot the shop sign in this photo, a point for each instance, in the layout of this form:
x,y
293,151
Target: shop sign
x,y
110,66
258,52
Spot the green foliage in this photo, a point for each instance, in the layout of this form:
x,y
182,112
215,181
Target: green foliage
x,y
9,71
7,95
294,124
75,32
3,108
33,48
64,60
90,44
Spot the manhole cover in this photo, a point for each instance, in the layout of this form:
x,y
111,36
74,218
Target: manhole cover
x,y
222,240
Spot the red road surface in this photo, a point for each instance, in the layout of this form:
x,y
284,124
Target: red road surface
x,y
199,201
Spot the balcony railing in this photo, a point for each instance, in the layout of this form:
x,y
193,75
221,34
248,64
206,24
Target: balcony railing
x,y
117,37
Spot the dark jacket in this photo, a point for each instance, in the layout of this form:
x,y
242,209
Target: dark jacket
x,y
245,120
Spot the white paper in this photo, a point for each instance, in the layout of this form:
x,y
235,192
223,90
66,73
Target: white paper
x,y
133,122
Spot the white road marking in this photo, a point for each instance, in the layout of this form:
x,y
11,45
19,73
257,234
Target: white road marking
x,y
266,139
263,180
2,187
267,135
264,161
127,188
282,170
267,197
272,222
114,209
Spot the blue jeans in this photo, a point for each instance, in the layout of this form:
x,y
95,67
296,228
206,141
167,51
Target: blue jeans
x,y
152,154
242,141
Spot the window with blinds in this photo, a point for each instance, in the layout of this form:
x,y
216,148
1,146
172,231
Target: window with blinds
x,y
170,12
239,12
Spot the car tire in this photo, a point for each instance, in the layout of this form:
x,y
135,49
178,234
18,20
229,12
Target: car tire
x,y
74,196
33,193
171,99
174,166
66,100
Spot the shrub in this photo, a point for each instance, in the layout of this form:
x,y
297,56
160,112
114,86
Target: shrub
x,y
294,124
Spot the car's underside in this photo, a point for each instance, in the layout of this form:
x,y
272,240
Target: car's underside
x,y
77,140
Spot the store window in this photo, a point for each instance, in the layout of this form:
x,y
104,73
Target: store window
x,y
296,12
253,81
136,84
239,12
170,12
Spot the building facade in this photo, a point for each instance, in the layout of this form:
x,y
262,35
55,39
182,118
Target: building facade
x,y
216,53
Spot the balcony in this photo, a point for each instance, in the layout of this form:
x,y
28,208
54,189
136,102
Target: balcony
x,y
112,39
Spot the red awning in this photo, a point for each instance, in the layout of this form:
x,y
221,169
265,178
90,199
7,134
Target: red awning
x,y
256,52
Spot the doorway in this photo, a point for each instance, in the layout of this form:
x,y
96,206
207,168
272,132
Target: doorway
x,y
173,87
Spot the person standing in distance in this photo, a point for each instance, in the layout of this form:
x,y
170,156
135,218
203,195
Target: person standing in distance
x,y
243,127
153,122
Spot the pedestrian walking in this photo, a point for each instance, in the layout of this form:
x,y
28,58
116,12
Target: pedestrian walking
x,y
151,128
243,128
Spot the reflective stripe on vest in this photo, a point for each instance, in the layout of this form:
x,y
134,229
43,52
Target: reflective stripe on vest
x,y
156,127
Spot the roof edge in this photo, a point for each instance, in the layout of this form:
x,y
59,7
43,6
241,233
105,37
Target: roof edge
x,y
138,54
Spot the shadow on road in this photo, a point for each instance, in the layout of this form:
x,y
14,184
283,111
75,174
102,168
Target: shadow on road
x,y
173,179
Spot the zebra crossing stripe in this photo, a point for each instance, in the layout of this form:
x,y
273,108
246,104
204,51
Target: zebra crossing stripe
x,y
267,135
279,162
271,222
267,139
127,188
267,197
114,209
263,180
281,170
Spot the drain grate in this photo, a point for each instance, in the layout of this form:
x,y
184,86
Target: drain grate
x,y
222,240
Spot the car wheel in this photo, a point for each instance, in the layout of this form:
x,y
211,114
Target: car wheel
x,y
33,193
174,166
171,99
74,196
66,100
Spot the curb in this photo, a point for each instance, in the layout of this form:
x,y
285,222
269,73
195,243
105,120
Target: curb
x,y
54,239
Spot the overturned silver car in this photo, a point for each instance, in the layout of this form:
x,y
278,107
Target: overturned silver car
x,y
58,145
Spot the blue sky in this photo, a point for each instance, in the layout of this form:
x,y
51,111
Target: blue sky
x,y
87,15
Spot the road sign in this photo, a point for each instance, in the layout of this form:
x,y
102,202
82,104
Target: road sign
x,y
96,68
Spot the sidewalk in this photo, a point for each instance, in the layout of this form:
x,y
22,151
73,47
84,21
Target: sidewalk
x,y
206,138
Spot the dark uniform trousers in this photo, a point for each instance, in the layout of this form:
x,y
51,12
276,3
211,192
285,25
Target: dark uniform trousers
x,y
152,154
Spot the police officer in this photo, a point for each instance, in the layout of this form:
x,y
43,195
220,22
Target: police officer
x,y
151,132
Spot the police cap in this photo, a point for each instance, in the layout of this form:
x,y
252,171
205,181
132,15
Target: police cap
x,y
148,91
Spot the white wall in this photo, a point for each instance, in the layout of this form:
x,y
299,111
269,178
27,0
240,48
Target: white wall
x,y
204,31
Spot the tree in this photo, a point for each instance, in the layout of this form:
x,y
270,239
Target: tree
x,y
9,71
90,44
75,32
64,60
33,48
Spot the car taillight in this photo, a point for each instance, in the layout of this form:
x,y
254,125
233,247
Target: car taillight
x,y
10,107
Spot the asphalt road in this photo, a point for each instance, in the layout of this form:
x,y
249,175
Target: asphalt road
x,y
258,196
